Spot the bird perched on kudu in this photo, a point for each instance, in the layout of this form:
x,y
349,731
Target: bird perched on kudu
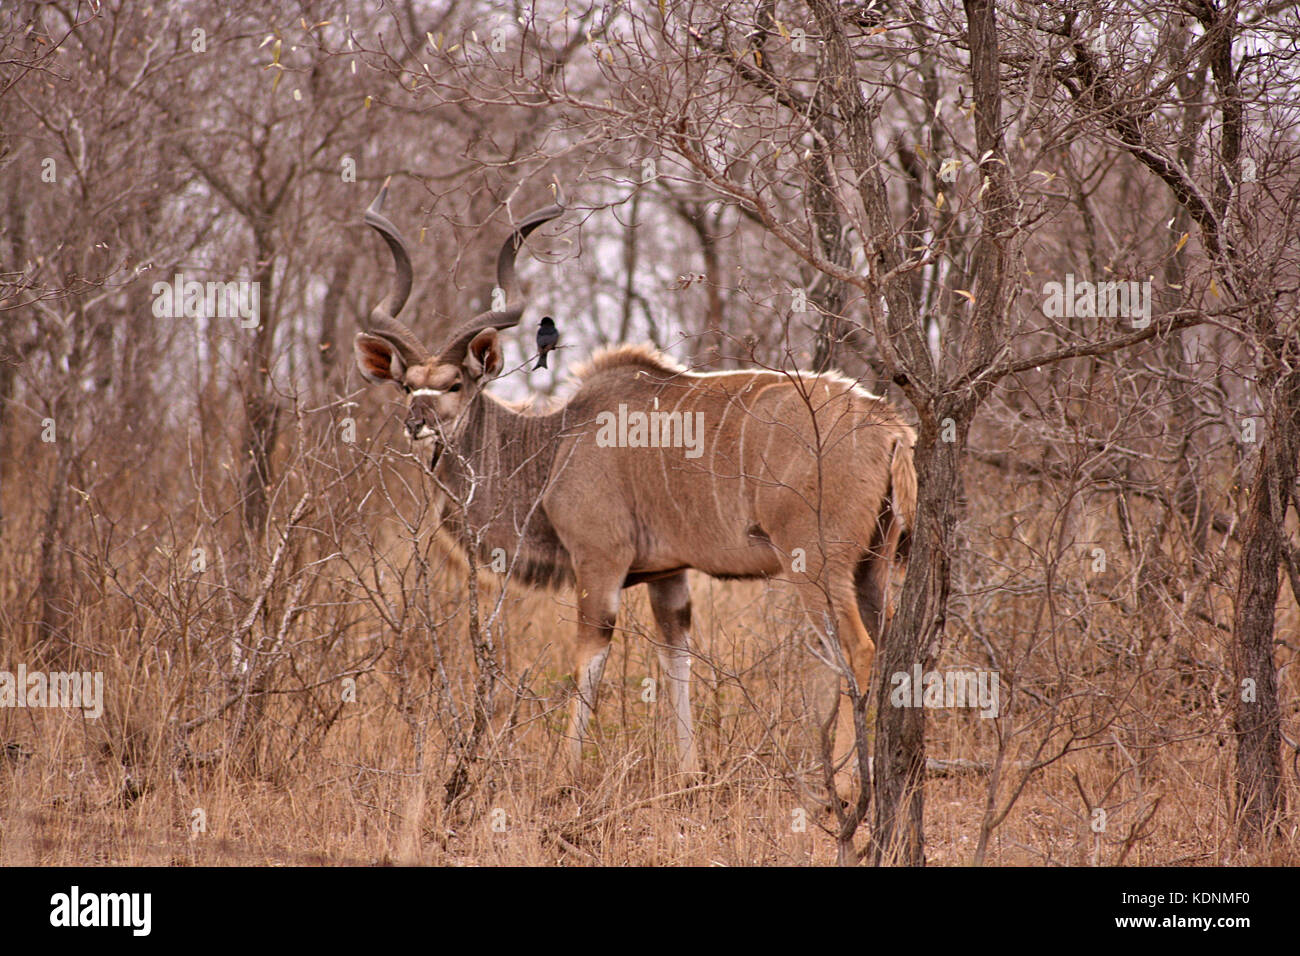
x,y
547,337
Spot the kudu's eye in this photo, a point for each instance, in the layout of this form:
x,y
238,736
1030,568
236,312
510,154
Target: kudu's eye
x,y
454,388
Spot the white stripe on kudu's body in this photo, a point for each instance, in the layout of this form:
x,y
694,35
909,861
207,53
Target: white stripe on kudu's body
x,y
796,476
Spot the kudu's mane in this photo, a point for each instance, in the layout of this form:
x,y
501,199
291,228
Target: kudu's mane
x,y
625,356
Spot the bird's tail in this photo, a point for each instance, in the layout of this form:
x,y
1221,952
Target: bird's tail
x,y
541,362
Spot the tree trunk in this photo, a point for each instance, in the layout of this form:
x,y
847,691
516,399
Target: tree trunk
x,y
261,415
1256,716
829,296
913,638
53,619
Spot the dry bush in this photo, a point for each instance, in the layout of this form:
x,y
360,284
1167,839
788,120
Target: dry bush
x,y
285,770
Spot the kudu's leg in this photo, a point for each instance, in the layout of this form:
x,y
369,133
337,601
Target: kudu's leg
x,y
598,594
670,599
860,652
840,599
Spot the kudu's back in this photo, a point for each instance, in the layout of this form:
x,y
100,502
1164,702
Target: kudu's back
x,y
737,474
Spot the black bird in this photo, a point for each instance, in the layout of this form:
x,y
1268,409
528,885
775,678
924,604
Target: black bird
x,y
547,336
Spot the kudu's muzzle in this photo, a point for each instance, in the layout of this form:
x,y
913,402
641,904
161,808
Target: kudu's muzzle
x,y
418,428
414,423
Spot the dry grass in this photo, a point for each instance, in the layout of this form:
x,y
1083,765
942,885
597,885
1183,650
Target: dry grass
x,y
311,779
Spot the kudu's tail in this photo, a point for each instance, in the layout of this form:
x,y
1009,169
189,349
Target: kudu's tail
x,y
902,493
892,538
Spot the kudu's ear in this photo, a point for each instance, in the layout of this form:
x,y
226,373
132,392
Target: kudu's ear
x,y
378,360
483,358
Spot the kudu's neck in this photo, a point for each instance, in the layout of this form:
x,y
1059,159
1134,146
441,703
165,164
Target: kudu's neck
x,y
496,467
497,442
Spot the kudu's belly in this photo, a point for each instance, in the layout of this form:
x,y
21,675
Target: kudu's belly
x,y
740,552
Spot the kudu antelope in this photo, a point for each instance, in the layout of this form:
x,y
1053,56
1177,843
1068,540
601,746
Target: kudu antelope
x,y
650,470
